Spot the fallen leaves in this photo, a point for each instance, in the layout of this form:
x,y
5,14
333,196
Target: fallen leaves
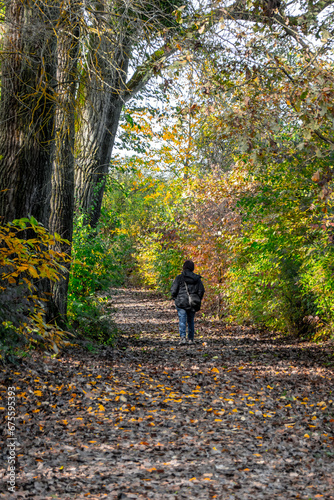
x,y
186,424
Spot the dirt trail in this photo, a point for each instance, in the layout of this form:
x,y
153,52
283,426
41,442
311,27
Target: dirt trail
x,y
239,415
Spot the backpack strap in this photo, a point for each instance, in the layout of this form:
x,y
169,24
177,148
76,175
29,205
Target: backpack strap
x,y
187,289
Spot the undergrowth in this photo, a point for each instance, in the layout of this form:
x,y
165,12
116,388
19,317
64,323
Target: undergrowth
x,y
99,262
24,262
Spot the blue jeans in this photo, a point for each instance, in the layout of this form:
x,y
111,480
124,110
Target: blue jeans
x,y
184,318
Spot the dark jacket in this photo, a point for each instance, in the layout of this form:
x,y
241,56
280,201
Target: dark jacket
x,y
179,292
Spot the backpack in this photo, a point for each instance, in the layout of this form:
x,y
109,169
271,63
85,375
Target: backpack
x,y
194,300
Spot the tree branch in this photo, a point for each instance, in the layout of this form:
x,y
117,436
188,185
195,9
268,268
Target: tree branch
x,y
145,71
235,12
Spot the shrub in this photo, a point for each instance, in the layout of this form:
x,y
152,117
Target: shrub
x,y
100,260
91,319
27,256
281,275
158,263
97,260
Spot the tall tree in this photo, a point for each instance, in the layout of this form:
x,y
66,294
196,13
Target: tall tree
x,y
26,109
120,30
38,107
62,181
40,54
102,88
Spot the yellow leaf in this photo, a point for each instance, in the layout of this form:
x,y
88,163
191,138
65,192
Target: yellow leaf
x,y
215,370
33,272
306,436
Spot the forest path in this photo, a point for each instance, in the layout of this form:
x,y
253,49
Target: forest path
x,y
239,415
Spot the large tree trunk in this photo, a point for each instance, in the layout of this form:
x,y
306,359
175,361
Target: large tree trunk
x,y
107,89
26,111
62,192
91,171
99,122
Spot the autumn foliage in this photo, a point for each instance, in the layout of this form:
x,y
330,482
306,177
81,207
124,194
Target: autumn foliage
x,y
259,232
28,255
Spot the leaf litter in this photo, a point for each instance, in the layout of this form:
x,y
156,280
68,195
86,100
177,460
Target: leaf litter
x,y
239,415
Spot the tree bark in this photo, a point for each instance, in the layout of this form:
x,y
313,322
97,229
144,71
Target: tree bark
x,y
104,89
105,97
26,111
62,184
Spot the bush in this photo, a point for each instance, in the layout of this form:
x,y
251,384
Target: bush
x,y
282,273
24,262
91,319
99,261
158,263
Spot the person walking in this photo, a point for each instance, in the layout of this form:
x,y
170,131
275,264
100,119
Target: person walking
x,y
187,291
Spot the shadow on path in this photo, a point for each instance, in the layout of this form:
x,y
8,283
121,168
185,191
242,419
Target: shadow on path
x,y
239,415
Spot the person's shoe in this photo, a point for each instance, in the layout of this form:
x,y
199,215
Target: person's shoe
x,y
182,341
191,341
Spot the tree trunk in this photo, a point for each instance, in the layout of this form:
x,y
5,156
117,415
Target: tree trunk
x,y
62,192
105,93
99,123
26,111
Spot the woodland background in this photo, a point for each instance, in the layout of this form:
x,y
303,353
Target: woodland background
x,y
224,118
